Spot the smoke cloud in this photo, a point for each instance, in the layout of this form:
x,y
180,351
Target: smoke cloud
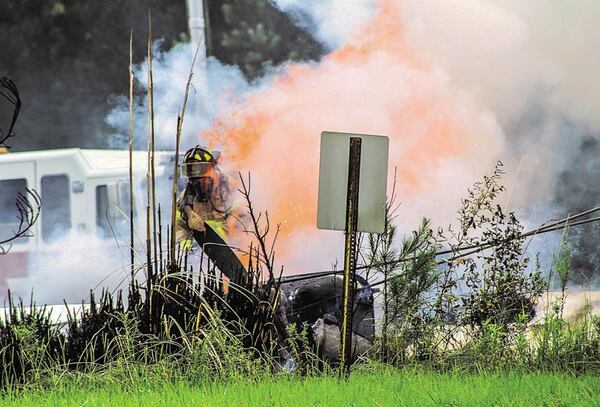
x,y
68,268
78,260
332,21
213,88
456,86
441,138
533,64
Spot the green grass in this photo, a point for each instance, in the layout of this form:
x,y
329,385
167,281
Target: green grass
x,y
411,387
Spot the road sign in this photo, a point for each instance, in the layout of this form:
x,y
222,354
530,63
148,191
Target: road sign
x,y
333,181
352,198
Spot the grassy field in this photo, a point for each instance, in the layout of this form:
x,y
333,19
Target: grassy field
x,y
411,387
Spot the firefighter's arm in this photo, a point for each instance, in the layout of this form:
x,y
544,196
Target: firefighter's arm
x,y
183,234
194,221
186,212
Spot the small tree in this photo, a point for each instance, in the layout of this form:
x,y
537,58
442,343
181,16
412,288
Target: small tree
x,y
502,291
408,274
499,288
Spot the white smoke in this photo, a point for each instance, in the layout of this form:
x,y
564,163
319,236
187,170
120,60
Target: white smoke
x,y
75,261
333,20
214,86
68,268
532,65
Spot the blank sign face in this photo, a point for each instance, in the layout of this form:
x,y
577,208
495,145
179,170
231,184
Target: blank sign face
x,y
333,181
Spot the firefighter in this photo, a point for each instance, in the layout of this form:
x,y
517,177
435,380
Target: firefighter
x,y
206,202
205,198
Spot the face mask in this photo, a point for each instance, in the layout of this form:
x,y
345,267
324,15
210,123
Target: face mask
x,y
203,187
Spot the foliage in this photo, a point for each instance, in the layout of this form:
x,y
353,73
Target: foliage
x,y
562,269
499,288
503,290
190,329
409,291
212,336
415,275
491,326
69,56
29,343
251,33
191,319
408,273
477,298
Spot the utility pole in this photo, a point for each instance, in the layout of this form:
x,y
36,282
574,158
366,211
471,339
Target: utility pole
x,y
197,11
200,40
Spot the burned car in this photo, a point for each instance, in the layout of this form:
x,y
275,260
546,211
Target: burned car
x,y
316,303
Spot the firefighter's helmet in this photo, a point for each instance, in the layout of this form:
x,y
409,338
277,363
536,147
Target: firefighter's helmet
x,y
199,162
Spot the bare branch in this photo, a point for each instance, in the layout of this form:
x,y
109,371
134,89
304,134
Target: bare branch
x,y
265,255
29,205
8,90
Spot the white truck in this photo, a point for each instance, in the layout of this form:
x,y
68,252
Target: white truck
x,y
77,188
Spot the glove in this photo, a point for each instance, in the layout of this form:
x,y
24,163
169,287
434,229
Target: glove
x,y
186,244
193,220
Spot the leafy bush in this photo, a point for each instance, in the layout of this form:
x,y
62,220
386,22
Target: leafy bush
x,y
499,288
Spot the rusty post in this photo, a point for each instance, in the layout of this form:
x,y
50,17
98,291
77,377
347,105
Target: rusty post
x,y
350,253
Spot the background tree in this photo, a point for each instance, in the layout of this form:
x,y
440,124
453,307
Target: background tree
x,y
69,57
250,33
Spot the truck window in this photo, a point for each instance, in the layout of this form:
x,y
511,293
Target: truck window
x,y
112,208
56,206
123,197
9,215
102,222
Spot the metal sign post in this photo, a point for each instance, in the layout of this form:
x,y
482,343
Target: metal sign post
x,y
350,252
348,161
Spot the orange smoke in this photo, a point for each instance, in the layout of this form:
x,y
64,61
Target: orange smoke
x,y
375,84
